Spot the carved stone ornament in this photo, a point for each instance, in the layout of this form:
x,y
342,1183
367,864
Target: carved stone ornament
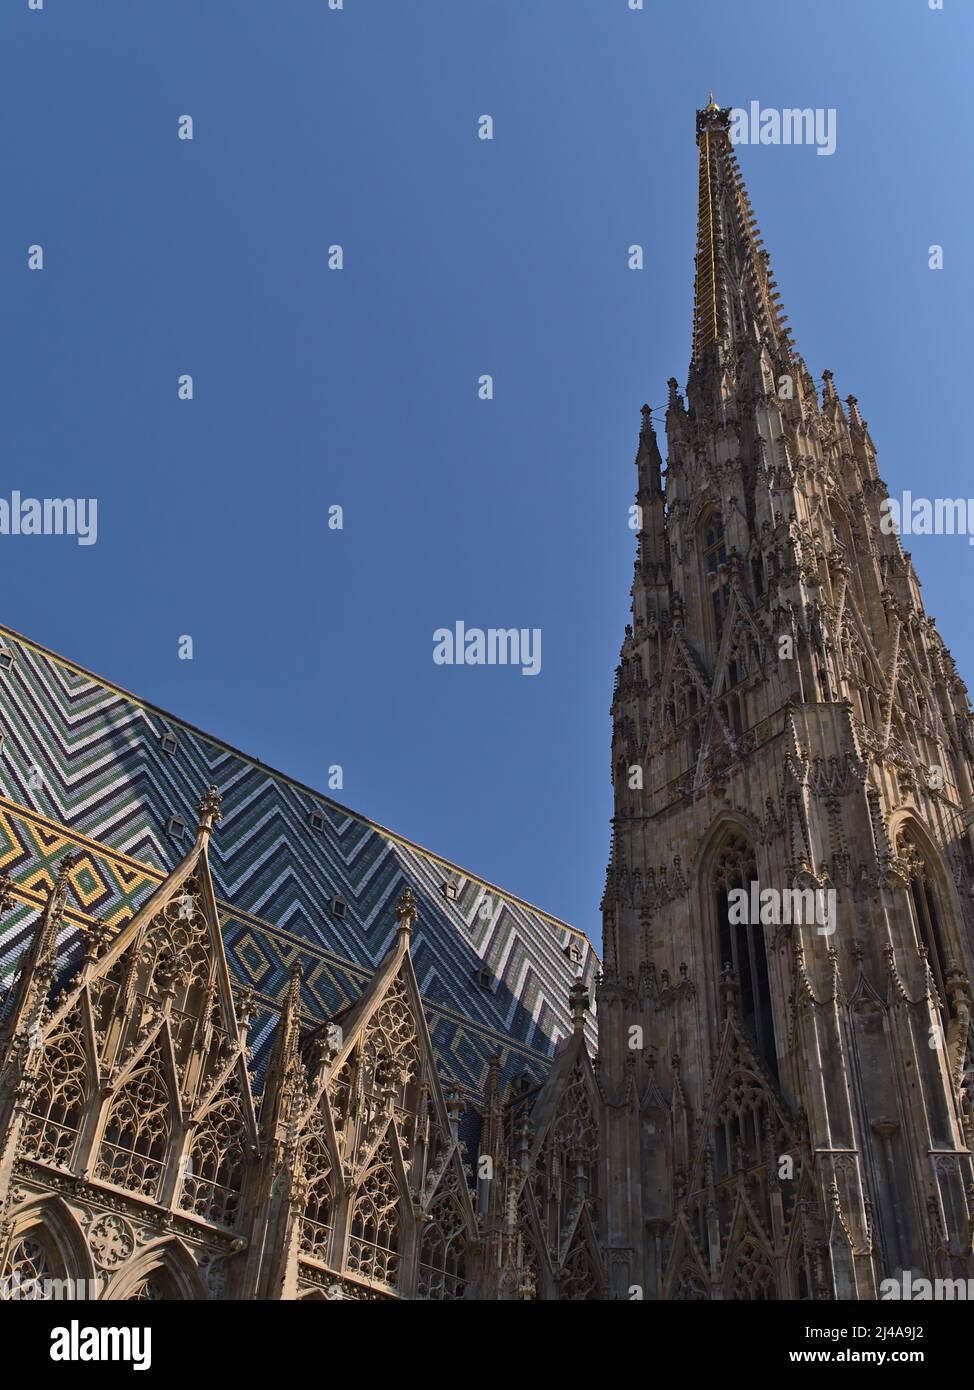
x,y
111,1240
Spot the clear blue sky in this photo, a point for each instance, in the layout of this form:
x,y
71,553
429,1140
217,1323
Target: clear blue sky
x,y
359,387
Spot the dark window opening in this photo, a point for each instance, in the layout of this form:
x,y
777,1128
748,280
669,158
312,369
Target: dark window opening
x,y
742,947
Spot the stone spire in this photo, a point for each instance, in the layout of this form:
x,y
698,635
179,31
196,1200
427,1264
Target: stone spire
x,y
735,298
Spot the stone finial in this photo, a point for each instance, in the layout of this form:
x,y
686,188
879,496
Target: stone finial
x,y
293,996
59,893
578,999
51,921
209,811
455,1107
407,911
96,938
63,869
246,1005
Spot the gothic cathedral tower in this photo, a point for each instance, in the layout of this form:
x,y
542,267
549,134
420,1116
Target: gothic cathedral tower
x,y
786,1073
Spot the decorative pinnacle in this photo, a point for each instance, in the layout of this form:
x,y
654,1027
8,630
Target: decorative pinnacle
x,y
209,811
294,984
246,1002
407,911
55,905
59,896
453,1099
579,1001
854,415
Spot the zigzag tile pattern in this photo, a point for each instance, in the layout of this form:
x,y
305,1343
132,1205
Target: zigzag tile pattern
x,y
82,766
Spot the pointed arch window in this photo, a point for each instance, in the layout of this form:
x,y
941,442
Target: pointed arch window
x,y
926,912
214,1170
133,1150
443,1253
318,1219
714,547
753,1277
54,1118
844,541
742,944
32,1262
373,1246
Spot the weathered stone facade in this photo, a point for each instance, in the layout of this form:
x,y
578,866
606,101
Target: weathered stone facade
x,y
791,1116
136,1158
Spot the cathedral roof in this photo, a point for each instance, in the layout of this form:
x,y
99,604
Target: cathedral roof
x,y
298,877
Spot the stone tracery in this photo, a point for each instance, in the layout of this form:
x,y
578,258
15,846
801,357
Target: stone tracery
x,y
135,1146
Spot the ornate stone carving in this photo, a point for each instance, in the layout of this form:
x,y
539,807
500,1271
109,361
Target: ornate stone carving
x,y
110,1239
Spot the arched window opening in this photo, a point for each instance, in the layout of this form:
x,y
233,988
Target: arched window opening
x,y
373,1247
54,1118
753,1278
844,542
742,945
443,1253
318,1218
32,1264
714,556
214,1171
824,682
133,1151
926,913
